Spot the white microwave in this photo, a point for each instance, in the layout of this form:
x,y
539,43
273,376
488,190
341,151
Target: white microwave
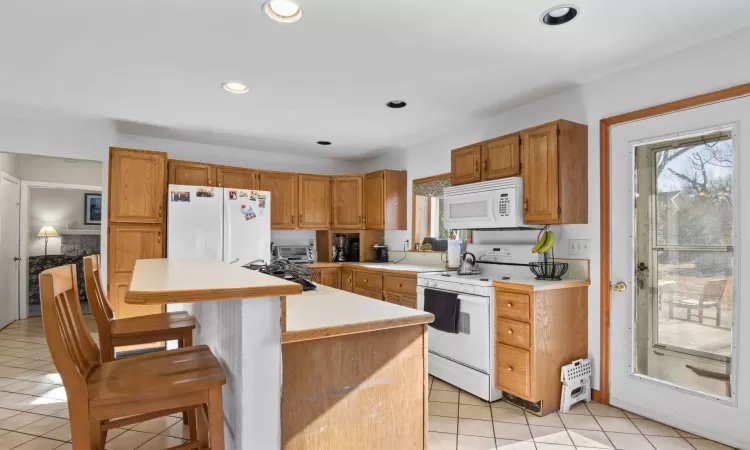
x,y
485,205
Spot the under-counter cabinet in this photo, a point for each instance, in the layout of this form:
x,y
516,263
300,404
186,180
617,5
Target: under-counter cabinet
x,y
191,173
283,188
385,200
236,177
314,202
465,165
347,202
330,277
137,187
536,333
347,280
555,173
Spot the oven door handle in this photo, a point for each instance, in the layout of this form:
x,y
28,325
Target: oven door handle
x,y
475,299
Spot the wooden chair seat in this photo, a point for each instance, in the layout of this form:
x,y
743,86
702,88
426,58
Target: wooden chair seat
x,y
152,324
154,376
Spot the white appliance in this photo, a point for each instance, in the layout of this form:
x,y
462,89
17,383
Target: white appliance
x,y
467,359
485,205
233,225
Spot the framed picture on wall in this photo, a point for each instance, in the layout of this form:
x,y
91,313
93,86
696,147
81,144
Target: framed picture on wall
x,y
92,209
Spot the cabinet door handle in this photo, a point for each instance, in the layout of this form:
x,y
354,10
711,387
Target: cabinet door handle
x,y
525,205
158,237
476,167
209,180
160,210
485,166
300,219
292,218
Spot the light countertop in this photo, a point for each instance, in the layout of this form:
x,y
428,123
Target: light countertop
x,y
540,285
328,312
161,281
410,269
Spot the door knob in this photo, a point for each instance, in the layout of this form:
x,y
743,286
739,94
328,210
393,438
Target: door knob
x,y
16,258
619,286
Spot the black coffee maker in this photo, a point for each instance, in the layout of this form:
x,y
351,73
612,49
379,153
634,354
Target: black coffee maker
x,y
381,253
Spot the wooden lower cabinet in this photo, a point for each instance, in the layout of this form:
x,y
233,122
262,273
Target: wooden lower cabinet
x,y
368,280
331,277
536,333
410,301
347,280
377,295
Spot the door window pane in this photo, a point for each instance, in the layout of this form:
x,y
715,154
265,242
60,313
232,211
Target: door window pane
x,y
684,296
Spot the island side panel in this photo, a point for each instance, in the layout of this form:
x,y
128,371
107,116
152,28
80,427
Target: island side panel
x,y
343,391
245,335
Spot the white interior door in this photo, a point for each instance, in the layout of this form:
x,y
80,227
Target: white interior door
x,y
10,196
678,352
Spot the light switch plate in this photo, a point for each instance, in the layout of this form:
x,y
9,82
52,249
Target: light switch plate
x,y
578,248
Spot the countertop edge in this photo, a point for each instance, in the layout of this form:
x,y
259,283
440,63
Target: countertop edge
x,y
289,337
562,284
385,269
202,295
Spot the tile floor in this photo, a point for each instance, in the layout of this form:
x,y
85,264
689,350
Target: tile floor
x,y
460,421
34,414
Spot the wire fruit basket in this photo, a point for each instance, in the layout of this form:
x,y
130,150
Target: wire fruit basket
x,y
548,270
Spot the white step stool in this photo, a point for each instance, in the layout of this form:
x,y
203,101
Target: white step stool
x,y
576,380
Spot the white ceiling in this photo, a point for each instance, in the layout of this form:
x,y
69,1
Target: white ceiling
x,y
156,66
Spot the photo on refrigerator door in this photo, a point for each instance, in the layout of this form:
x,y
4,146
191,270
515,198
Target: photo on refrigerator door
x,y
261,201
180,196
248,212
232,195
204,192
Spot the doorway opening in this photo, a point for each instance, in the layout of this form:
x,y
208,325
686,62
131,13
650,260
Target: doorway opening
x,y
684,259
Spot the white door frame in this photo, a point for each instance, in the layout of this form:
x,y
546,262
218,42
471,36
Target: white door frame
x,y
13,179
26,187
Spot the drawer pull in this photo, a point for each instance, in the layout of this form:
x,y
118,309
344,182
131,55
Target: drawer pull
x,y
510,369
510,331
510,305
400,285
365,280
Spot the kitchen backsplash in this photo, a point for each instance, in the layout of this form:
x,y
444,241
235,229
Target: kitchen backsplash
x,y
292,237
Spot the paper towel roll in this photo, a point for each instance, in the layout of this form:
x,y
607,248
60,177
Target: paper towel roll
x,y
454,253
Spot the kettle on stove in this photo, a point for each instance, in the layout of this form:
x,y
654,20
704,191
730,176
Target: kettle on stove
x,y
468,265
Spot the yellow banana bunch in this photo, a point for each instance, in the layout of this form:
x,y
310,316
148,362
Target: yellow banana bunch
x,y
545,242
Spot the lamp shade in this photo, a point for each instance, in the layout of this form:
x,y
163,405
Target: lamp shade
x,y
47,231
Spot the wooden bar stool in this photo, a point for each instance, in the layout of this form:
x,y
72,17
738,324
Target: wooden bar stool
x,y
113,332
106,395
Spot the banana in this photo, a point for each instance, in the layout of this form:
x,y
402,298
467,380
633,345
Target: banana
x,y
548,243
541,242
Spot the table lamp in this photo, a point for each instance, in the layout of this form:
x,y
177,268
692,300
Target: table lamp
x,y
46,232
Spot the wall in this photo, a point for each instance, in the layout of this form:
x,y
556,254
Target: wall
x,y
54,207
9,164
60,170
705,68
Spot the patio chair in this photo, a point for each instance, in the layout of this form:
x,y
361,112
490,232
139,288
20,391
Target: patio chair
x,y
713,291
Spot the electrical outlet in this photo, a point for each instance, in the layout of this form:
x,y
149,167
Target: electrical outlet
x,y
578,248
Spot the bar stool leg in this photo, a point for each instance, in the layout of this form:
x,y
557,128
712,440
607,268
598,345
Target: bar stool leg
x,y
215,419
186,341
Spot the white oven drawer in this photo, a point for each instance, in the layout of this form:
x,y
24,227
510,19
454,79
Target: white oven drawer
x,y
471,346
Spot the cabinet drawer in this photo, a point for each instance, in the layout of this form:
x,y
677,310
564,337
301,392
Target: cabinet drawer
x,y
368,280
409,301
400,285
377,295
513,372
513,333
512,306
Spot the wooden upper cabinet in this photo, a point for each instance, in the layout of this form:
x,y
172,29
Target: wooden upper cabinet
x,y
191,173
465,165
501,157
374,200
347,202
314,202
236,177
385,200
283,188
555,173
137,187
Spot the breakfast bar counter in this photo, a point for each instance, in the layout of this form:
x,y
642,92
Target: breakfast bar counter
x,y
355,373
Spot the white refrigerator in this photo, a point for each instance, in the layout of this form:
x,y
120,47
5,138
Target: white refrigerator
x,y
233,225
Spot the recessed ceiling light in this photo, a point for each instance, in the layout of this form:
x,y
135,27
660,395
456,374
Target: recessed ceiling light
x,y
235,87
284,11
324,143
559,15
396,104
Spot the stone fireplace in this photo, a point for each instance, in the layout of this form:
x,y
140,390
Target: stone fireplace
x,y
79,244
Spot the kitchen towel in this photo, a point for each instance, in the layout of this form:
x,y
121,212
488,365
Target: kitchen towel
x,y
445,306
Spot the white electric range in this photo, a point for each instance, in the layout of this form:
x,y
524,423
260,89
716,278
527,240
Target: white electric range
x,y
467,359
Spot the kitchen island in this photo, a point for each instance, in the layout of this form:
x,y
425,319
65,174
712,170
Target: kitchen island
x,y
354,368
355,372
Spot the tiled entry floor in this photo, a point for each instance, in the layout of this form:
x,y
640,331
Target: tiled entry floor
x,y
460,421
34,414
33,407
